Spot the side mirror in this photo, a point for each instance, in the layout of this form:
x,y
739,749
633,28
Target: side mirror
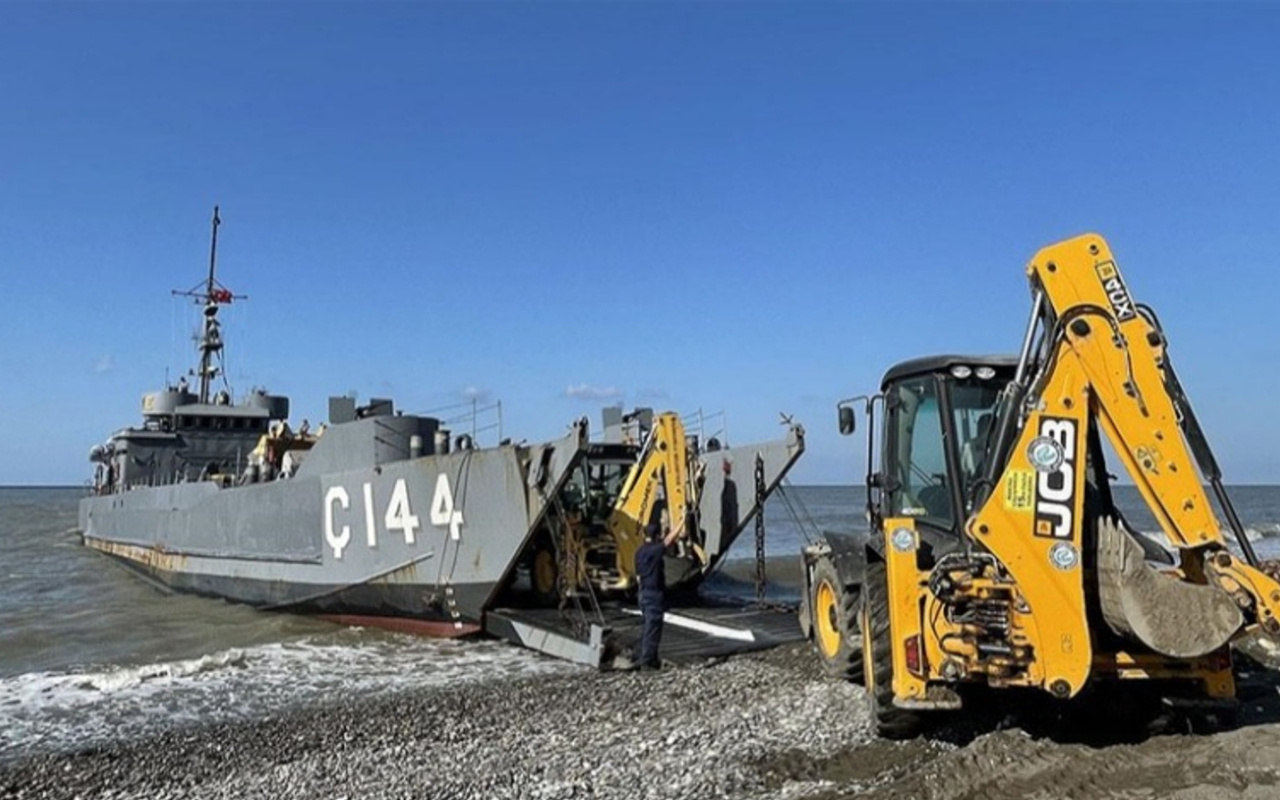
x,y
848,422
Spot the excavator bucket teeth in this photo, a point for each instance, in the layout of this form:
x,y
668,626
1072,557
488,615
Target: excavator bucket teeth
x,y
1163,612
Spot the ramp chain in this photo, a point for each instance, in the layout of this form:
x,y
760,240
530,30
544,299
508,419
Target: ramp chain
x,y
760,498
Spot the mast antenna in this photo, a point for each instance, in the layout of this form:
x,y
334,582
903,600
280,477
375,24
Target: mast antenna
x,y
211,295
213,250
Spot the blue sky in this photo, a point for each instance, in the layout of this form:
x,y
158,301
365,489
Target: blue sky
x,y
751,207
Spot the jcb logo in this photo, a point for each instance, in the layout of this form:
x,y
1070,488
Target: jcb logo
x,y
1056,488
1117,292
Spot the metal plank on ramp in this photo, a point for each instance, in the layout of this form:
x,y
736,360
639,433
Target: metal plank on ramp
x,y
691,634
548,631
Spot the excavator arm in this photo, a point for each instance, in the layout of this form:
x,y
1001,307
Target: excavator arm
x,y
1094,356
663,473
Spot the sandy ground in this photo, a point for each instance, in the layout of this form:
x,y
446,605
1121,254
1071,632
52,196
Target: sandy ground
x,y
1016,747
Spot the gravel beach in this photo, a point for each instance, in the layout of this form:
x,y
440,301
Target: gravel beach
x,y
713,731
763,725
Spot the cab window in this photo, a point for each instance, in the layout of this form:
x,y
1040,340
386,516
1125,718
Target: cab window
x,y
973,404
920,464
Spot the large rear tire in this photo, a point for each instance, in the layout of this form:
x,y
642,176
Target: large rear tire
x,y
836,637
877,658
544,573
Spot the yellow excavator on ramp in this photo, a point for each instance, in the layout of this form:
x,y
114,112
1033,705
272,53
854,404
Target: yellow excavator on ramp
x,y
997,555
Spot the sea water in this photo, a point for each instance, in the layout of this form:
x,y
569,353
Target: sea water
x,y
91,652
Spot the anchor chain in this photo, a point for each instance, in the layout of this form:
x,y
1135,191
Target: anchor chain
x,y
760,497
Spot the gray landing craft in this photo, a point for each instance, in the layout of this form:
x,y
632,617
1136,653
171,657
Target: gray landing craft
x,y
383,517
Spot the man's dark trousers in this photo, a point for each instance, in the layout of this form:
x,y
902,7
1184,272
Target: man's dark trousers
x,y
651,608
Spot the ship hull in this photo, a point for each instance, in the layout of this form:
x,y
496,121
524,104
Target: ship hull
x,y
404,606
429,538
424,543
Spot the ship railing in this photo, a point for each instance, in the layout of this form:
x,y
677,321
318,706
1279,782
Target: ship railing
x,y
701,424
714,425
471,417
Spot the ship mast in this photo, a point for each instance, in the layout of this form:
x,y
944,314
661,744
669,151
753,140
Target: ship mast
x,y
211,341
212,295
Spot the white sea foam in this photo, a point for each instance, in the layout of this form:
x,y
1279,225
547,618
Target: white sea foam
x,y
1264,530
45,711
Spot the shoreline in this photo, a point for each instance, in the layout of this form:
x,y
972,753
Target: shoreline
x,y
767,725
707,731
759,726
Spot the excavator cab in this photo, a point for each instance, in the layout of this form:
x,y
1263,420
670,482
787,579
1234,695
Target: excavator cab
x,y
938,415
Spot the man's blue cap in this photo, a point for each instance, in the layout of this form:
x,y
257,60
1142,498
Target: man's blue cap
x,y
652,530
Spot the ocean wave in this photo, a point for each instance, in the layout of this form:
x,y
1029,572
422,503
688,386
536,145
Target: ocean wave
x,y
1263,530
128,677
1255,533
48,711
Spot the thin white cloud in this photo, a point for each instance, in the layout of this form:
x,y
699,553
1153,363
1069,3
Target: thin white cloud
x,y
583,391
105,364
652,394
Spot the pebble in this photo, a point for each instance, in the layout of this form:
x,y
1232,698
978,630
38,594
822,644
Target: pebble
x,y
681,732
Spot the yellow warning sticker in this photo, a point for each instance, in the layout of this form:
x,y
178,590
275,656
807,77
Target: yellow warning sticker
x,y
1020,490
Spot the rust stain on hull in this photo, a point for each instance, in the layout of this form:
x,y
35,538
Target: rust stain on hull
x,y
405,574
150,557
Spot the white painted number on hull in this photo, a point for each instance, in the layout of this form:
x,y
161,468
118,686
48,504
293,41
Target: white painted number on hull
x,y
337,540
442,511
370,535
399,516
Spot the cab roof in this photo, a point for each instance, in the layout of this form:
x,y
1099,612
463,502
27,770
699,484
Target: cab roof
x,y
931,364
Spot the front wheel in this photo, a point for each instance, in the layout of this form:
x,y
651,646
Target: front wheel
x,y
877,658
834,609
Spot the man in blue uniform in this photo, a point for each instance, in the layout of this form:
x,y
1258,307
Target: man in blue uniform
x,y
653,587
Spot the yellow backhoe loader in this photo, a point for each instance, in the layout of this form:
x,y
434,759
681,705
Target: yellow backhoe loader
x,y
603,515
996,554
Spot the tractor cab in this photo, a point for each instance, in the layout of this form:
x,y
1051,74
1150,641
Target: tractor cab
x,y
939,415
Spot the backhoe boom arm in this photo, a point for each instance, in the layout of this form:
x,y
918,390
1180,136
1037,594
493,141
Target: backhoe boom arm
x,y
1093,329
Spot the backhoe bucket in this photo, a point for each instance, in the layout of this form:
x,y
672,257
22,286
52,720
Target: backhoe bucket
x,y
1163,612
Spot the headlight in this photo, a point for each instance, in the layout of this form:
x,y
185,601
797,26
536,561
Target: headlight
x,y
985,373
960,372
